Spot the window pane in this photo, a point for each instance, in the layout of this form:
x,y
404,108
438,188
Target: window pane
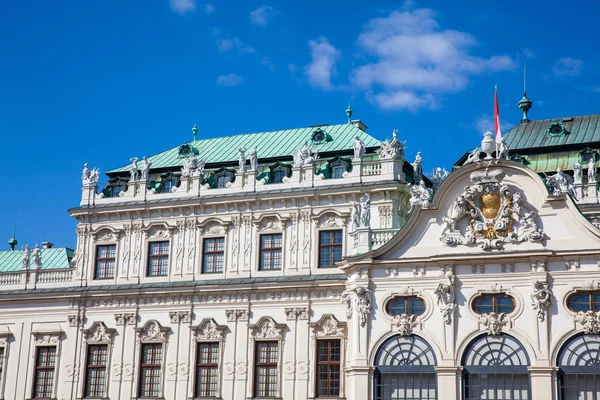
x,y
213,255
150,370
105,261
504,304
207,376
328,367
266,358
95,379
44,372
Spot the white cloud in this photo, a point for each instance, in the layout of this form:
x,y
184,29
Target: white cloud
x,y
485,122
415,61
230,80
262,15
226,45
324,58
266,61
292,67
208,8
567,66
182,6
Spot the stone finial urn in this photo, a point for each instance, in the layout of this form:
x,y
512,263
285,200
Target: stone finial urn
x,y
488,145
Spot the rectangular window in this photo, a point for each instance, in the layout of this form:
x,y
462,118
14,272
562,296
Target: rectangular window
x,y
158,259
213,255
270,252
330,248
337,172
265,381
106,256
95,371
207,369
45,363
150,370
328,367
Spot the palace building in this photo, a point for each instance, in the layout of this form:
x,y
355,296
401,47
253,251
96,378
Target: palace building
x,y
315,263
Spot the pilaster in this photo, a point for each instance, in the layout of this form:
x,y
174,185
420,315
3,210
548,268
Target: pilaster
x,y
449,382
543,382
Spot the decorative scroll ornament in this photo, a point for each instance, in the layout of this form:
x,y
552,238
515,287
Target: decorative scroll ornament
x,y
328,326
98,333
446,297
153,331
405,323
590,321
208,329
359,300
541,298
495,215
267,328
494,322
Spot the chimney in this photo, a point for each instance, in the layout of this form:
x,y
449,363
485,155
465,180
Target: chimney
x,y
358,123
47,245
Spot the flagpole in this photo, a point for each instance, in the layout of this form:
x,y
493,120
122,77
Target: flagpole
x,y
495,133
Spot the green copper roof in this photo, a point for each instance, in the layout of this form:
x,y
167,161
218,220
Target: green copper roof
x,y
549,162
268,145
534,134
53,258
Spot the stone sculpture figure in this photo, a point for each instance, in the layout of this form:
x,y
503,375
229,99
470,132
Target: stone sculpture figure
x,y
592,171
420,196
473,156
391,149
502,153
253,156
417,166
446,297
359,149
305,156
494,322
189,165
541,298
562,183
242,159
26,256
199,167
146,164
438,176
36,257
405,323
577,173
590,321
134,169
358,299
365,211
85,174
355,215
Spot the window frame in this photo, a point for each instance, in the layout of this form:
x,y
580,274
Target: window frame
x,y
339,162
44,339
221,173
326,328
270,250
148,336
330,246
257,365
208,366
204,240
96,259
494,303
5,339
406,300
278,167
202,333
591,302
160,256
328,364
95,367
265,330
96,334
38,369
151,366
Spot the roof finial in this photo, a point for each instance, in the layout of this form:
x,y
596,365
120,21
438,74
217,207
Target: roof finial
x,y
525,104
349,113
13,240
195,131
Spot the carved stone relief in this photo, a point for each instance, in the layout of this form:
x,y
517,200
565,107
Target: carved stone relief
x,y
328,326
330,220
152,331
590,320
494,322
267,328
404,323
125,318
214,228
358,300
98,333
208,329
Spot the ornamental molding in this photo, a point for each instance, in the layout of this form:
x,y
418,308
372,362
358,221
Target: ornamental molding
x,y
590,321
301,313
541,298
267,328
180,316
152,331
158,231
269,223
208,329
358,301
105,235
5,338
98,333
328,326
236,315
214,227
494,322
330,220
75,320
126,318
496,214
41,338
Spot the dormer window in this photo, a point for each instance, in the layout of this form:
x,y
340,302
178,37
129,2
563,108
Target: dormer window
x,y
116,190
556,129
338,166
223,176
168,182
279,171
587,155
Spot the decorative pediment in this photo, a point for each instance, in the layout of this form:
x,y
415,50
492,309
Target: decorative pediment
x,y
47,337
270,224
106,235
159,232
214,228
328,326
208,329
495,214
330,220
5,337
152,331
267,328
98,333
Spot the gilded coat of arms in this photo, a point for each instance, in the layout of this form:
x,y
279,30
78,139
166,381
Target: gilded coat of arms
x,y
496,214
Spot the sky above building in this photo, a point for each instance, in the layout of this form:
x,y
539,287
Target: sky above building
x,y
104,81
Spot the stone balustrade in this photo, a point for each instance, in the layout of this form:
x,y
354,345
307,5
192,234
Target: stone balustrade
x,y
381,236
30,278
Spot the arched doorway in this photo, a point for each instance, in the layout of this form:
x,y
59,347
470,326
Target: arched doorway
x,y
495,367
579,368
404,370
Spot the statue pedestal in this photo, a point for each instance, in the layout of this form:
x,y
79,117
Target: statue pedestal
x,y
239,181
88,194
579,191
392,169
296,175
592,192
362,240
131,191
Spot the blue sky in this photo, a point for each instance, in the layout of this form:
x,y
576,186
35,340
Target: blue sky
x,y
103,81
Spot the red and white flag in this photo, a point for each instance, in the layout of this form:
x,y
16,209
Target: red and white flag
x,y
497,116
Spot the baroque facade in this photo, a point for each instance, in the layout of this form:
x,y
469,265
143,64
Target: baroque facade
x,y
328,268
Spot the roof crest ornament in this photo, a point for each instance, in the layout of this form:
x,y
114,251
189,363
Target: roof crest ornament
x,y
525,104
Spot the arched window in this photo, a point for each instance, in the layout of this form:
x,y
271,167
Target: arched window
x,y
410,305
493,302
579,368
495,367
584,301
404,369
